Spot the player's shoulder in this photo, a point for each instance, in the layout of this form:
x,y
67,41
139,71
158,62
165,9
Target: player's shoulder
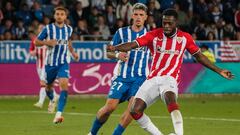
x,y
183,33
155,32
123,28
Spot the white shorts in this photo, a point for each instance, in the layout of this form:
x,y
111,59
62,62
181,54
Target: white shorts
x,y
41,73
155,88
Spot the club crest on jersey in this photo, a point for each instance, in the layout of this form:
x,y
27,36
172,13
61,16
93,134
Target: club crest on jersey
x,y
179,39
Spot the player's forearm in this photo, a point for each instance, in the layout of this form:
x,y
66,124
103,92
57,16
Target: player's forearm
x,y
38,42
111,55
206,62
126,46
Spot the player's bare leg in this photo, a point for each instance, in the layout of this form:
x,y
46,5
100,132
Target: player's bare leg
x,y
53,99
125,119
42,94
63,83
144,121
103,115
170,99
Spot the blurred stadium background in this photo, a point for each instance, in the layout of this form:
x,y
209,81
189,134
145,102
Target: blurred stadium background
x,y
210,104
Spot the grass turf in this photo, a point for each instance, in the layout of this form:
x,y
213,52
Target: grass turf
x,y
203,115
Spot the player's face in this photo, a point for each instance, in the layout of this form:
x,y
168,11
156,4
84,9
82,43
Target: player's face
x,y
60,16
139,17
169,25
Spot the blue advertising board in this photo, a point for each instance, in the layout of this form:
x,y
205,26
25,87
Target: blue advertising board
x,y
89,52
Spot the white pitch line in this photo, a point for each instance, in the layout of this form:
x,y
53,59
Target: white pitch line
x,y
118,115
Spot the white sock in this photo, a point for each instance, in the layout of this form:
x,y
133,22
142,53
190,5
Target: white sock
x,y
58,114
177,122
42,95
147,125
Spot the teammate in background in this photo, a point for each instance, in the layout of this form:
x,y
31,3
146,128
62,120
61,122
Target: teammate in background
x,y
40,53
205,51
167,46
56,37
129,73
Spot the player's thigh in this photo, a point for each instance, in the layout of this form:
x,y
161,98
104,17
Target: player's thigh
x,y
63,71
50,74
149,91
135,86
118,89
168,84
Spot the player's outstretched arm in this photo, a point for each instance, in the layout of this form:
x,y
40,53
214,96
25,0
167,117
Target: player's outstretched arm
x,y
123,56
204,61
122,47
50,43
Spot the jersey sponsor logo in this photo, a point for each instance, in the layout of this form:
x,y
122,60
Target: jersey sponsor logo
x,y
62,42
175,52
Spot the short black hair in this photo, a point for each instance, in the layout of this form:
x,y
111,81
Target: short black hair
x,y
204,46
170,12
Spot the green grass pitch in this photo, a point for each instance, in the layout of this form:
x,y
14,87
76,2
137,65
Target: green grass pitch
x,y
202,115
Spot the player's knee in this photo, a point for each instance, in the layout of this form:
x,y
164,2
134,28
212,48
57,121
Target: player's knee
x,y
172,106
136,115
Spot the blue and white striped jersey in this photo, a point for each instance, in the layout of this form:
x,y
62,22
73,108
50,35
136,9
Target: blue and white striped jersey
x,y
137,64
58,54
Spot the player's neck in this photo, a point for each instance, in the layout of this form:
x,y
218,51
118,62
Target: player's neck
x,y
136,28
60,25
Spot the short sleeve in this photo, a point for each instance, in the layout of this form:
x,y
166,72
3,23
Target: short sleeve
x,y
116,39
70,29
145,40
43,34
191,46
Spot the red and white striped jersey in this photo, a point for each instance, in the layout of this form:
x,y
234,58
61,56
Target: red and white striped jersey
x,y
167,52
40,53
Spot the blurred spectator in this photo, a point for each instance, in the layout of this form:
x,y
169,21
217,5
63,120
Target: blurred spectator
x,y
215,14
237,36
103,28
205,51
81,29
1,16
34,26
194,36
237,18
85,3
99,4
151,25
166,4
37,11
110,18
213,28
124,11
20,31
8,26
24,14
211,36
78,13
229,6
93,17
119,24
96,35
75,36
200,31
46,20
9,11
182,17
228,31
153,11
8,35
201,9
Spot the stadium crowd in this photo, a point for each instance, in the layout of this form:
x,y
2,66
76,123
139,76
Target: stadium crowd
x,y
99,19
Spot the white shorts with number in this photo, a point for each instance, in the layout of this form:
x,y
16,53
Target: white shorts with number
x,y
41,73
155,88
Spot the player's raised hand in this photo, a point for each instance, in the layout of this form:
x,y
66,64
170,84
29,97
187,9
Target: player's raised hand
x,y
226,74
110,48
51,42
123,56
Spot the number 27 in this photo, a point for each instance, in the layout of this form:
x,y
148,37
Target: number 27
x,y
117,84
